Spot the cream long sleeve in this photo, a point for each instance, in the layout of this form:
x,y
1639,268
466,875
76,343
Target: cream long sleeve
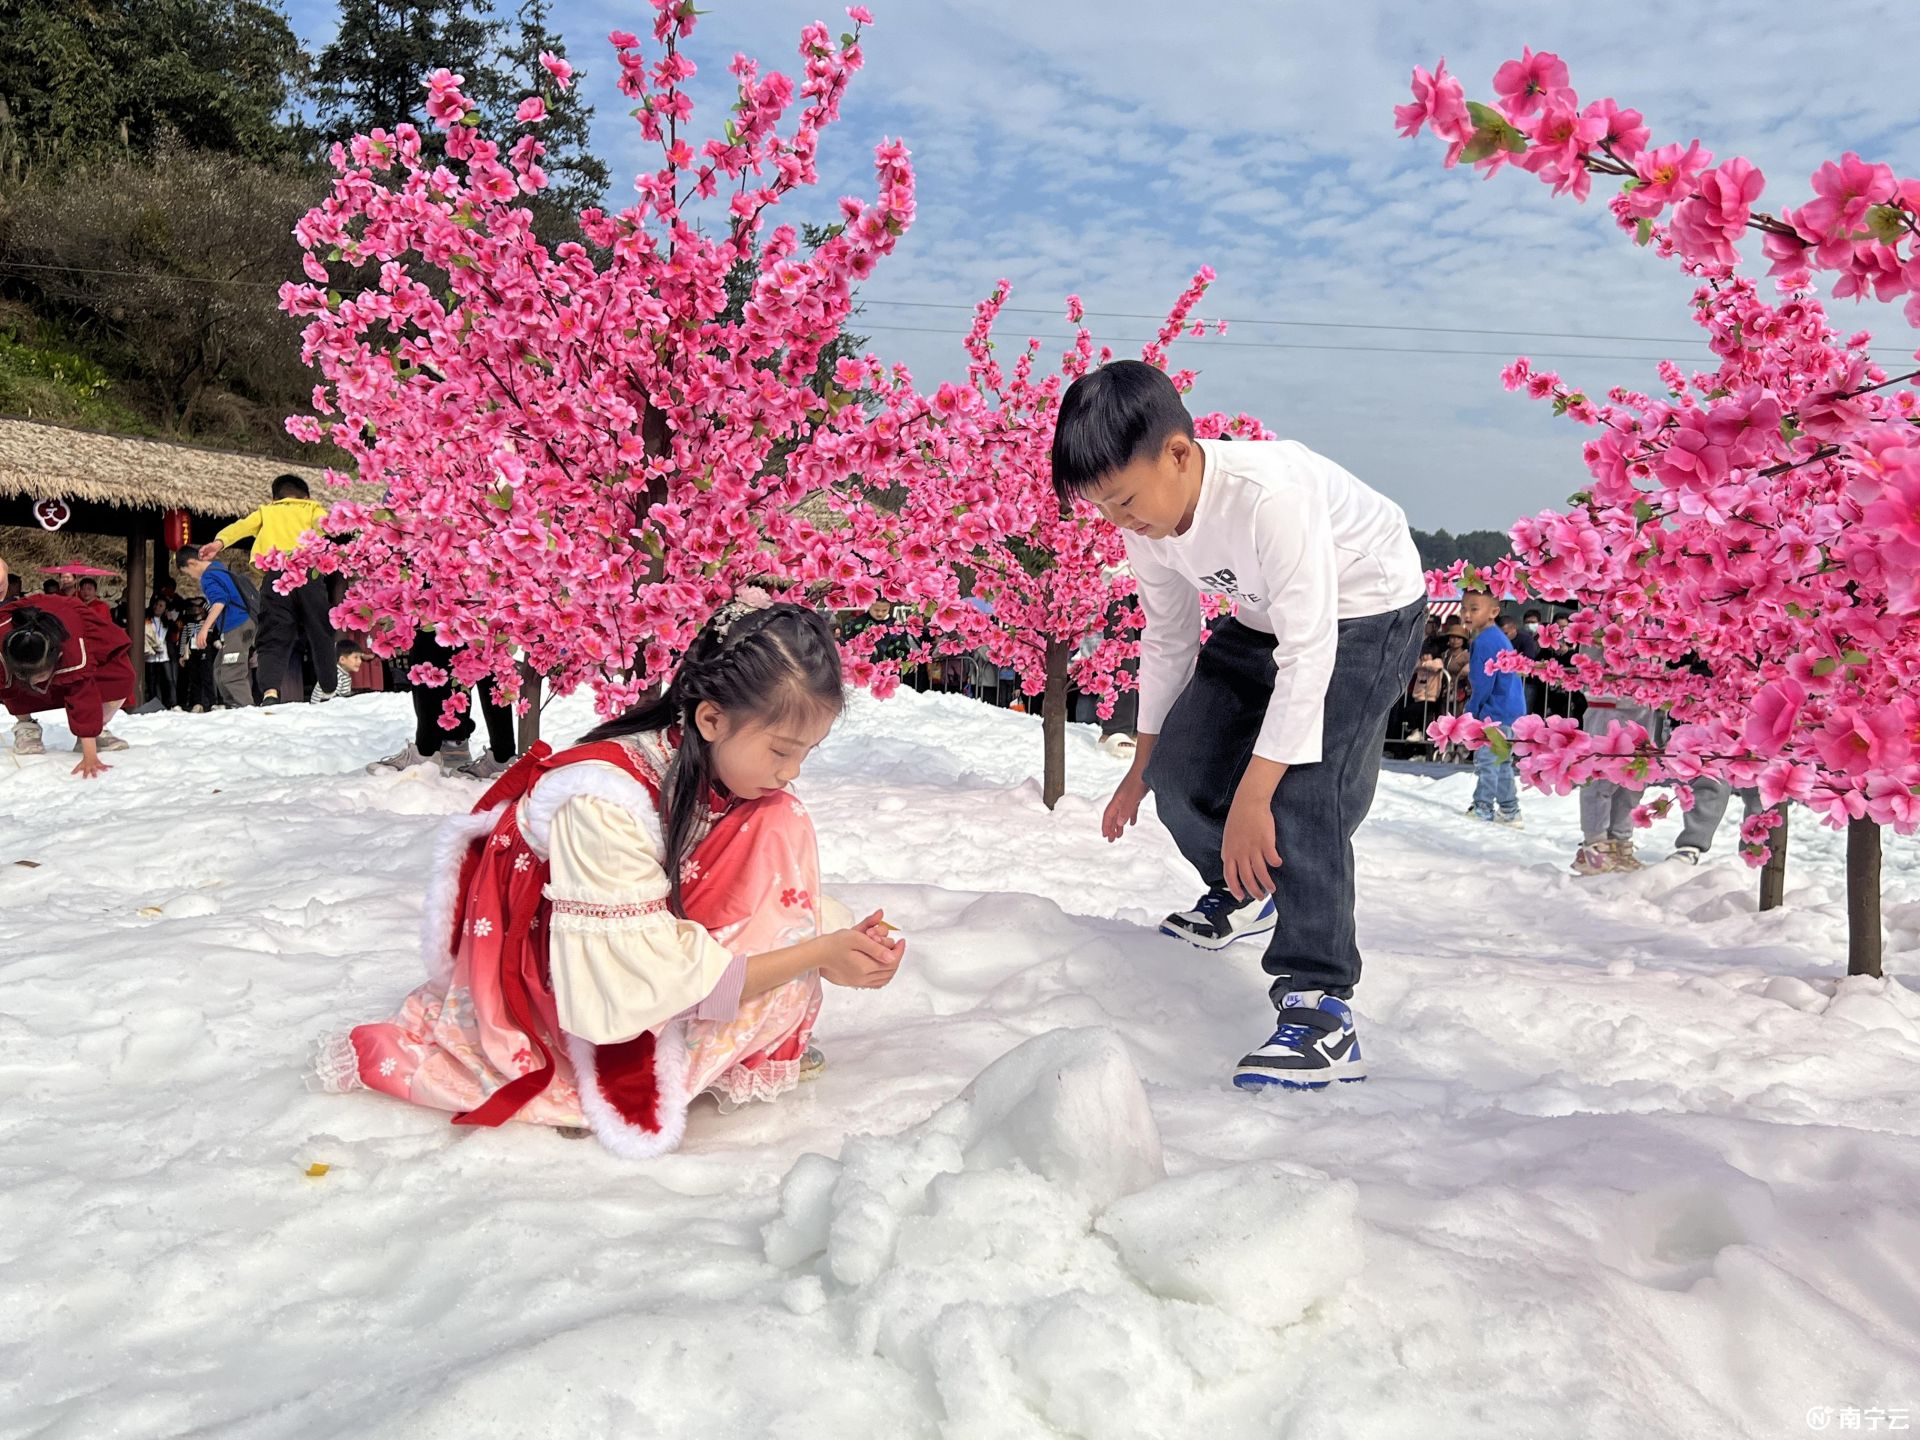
x,y
622,962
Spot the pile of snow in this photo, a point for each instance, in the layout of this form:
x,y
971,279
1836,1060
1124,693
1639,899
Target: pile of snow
x,y
1634,1160
1022,1253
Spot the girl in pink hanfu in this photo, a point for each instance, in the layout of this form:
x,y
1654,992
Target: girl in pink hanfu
x,y
627,924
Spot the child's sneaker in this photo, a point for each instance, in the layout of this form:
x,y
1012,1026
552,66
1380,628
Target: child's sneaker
x,y
104,741
812,1064
1512,822
1313,1045
1687,854
1219,920
486,767
404,759
28,739
1593,858
1623,856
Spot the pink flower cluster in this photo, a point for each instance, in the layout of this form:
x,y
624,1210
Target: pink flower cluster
x,y
995,563
586,449
1746,558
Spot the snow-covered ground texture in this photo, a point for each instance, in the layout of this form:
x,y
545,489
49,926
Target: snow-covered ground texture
x,y
1634,1161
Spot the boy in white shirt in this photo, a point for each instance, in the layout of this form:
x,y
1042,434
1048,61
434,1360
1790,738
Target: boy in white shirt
x,y
1261,747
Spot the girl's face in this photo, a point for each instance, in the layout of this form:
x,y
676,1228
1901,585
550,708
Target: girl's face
x,y
752,758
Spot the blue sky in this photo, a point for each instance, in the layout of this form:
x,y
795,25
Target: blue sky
x,y
1110,147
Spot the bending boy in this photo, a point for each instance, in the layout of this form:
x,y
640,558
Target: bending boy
x,y
1262,747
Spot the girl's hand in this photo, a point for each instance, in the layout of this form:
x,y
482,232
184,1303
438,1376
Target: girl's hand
x,y
860,958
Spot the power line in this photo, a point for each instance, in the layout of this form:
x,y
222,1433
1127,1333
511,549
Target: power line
x,y
1213,344
1306,324
866,300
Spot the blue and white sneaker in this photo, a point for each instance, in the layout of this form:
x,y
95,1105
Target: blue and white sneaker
x,y
1219,920
1313,1045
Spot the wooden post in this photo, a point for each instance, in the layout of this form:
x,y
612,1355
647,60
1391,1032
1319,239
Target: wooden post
x,y
1773,875
1053,724
530,688
1864,942
136,605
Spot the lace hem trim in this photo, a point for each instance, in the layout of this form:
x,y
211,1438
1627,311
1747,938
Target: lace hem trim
x,y
591,910
335,1067
740,1086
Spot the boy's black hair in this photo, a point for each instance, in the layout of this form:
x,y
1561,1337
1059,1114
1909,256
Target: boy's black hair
x,y
1530,617
49,587
1109,418
344,647
290,487
184,554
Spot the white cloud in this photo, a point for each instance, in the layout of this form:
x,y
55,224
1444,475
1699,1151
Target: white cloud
x,y
1109,147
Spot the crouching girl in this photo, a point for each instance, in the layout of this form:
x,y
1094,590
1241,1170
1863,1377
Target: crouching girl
x,y
624,925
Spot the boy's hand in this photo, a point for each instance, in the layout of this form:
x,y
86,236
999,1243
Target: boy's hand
x,y
91,766
1124,808
1248,851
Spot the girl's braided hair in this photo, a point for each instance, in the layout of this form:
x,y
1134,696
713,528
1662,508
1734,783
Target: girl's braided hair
x,y
766,663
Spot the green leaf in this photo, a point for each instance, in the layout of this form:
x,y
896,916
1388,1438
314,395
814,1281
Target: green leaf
x,y
1853,657
1485,117
333,299
1796,611
1788,430
1631,184
1580,497
1887,223
471,119
1825,666
1643,511
1479,148
1643,232
846,40
502,498
1500,745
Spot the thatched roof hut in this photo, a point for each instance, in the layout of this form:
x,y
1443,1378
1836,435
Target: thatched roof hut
x,y
119,491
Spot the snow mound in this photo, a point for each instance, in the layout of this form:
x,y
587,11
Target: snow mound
x,y
1022,1253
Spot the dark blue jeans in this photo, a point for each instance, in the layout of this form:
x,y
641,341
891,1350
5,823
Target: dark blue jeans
x,y
1203,750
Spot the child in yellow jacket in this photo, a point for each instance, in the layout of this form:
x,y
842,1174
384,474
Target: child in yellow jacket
x,y
277,529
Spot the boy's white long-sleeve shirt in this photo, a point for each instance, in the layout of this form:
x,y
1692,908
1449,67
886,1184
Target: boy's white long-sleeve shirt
x,y
1301,545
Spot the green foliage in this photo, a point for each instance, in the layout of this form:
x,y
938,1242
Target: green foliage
x,y
371,74
79,81
576,178
43,378
1440,548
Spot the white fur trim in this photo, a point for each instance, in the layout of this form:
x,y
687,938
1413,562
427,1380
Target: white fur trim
x,y
586,777
450,848
624,1139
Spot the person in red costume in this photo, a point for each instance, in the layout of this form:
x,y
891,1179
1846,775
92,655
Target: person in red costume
x,y
57,653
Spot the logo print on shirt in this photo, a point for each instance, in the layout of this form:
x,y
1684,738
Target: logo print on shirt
x,y
1224,582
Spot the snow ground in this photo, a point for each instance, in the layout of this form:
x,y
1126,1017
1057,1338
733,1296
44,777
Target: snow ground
x,y
1633,1161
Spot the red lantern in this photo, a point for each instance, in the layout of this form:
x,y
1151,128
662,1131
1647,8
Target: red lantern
x,y
176,526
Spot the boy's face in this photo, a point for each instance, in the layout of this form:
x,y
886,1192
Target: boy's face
x,y
1153,496
1479,611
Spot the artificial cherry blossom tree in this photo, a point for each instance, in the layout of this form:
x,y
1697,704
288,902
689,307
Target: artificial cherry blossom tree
x,y
1747,556
586,449
997,563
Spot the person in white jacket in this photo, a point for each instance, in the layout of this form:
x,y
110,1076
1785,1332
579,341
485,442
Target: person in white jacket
x,y
1262,746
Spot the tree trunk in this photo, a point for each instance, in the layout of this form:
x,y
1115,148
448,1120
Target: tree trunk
x,y
136,605
1773,875
1863,898
1053,723
530,690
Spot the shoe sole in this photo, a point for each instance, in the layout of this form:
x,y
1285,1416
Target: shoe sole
x,y
1265,927
1266,1080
